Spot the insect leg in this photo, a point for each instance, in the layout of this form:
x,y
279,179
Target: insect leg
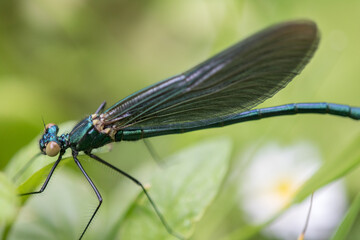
x,y
94,188
161,217
101,107
152,152
47,178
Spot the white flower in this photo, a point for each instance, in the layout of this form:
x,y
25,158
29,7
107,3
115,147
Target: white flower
x,y
269,183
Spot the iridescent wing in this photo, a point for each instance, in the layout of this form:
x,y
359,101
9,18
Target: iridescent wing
x,y
233,81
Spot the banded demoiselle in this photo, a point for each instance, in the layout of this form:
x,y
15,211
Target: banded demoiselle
x,y
218,92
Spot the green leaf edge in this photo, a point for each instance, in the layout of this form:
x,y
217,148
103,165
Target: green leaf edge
x,y
343,230
342,165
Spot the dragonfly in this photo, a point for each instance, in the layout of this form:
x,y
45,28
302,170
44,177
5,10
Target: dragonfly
x,y
220,91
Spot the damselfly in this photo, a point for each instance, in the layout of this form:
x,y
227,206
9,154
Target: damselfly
x,y
218,92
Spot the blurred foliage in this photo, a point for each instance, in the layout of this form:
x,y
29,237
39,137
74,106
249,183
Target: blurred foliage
x,y
60,59
349,220
8,199
197,172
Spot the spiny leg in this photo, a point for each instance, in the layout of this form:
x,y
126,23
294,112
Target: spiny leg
x,y
101,107
152,152
47,178
161,217
94,188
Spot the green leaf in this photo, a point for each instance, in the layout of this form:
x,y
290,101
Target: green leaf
x,y
28,174
9,203
59,212
8,199
331,171
349,220
182,192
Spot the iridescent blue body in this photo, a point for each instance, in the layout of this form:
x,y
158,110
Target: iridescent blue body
x,y
85,137
51,136
218,92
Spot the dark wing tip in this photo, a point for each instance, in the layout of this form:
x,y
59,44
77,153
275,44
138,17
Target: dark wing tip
x,y
308,36
306,32
293,41
308,28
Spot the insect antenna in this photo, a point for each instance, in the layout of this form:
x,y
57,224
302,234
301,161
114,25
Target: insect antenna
x,y
42,118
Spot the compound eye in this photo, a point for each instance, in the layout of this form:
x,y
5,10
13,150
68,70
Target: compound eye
x,y
52,149
49,125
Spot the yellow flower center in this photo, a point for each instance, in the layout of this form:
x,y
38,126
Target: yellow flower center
x,y
286,189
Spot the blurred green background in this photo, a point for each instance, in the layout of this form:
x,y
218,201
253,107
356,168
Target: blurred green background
x,y
59,59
